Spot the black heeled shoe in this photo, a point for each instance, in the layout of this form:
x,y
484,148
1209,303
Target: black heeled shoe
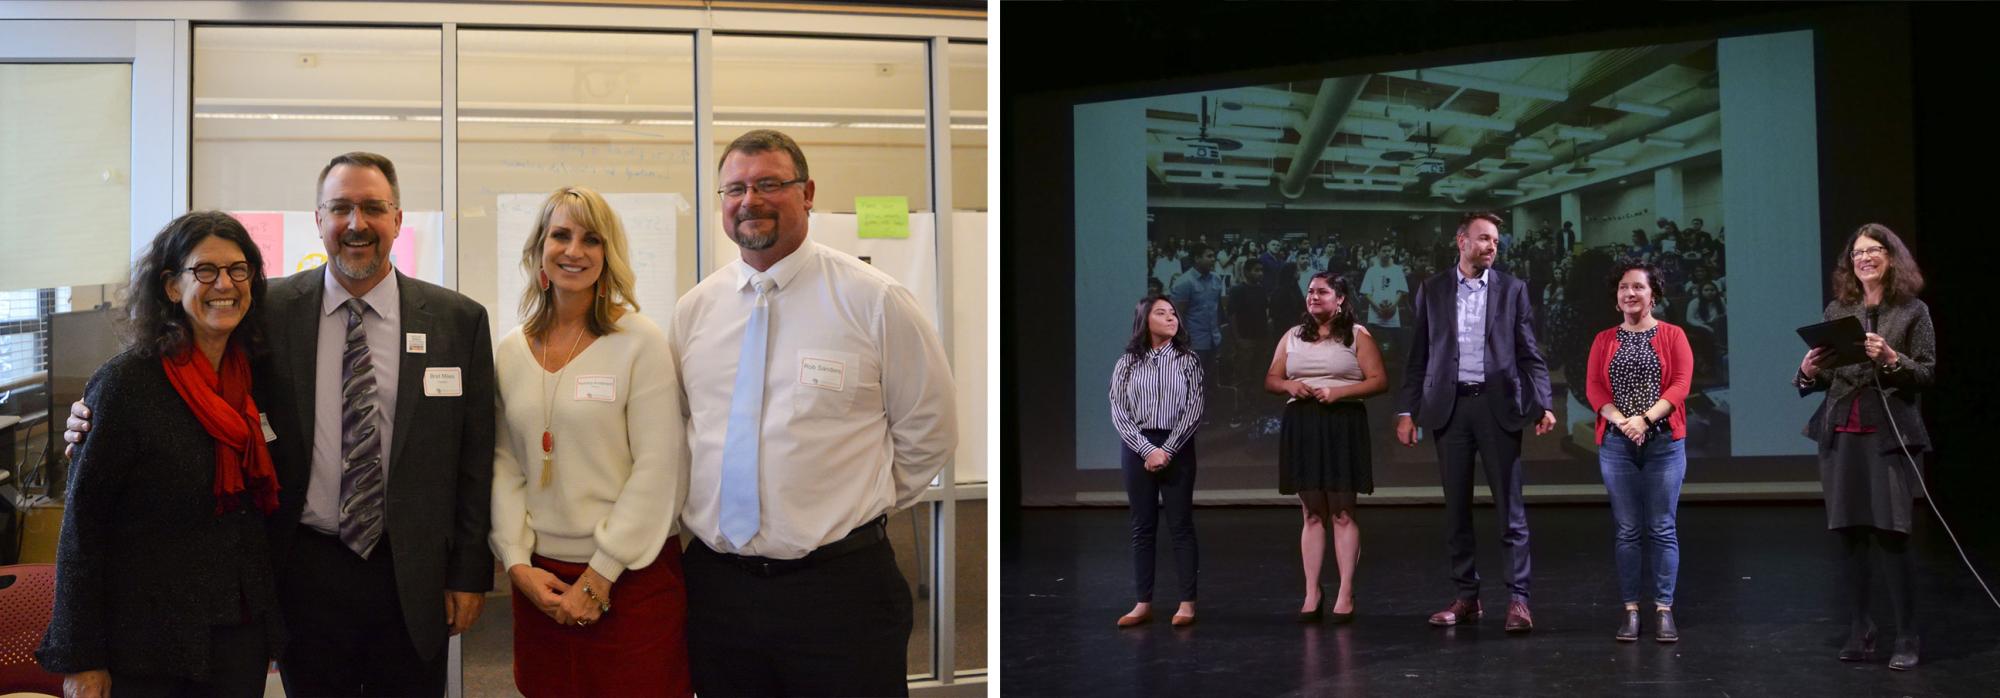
x,y
1341,618
1905,657
1313,616
1629,630
1860,646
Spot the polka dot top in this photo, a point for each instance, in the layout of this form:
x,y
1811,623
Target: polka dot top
x,y
1635,372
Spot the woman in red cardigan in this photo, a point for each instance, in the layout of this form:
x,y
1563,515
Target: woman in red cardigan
x,y
1638,382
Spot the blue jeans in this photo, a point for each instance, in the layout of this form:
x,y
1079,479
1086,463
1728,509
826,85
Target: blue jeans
x,y
1645,487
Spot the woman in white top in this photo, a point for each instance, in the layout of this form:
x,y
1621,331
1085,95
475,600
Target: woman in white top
x,y
590,468
1326,365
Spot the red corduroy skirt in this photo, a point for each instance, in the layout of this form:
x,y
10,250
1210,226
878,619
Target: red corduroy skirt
x,y
638,649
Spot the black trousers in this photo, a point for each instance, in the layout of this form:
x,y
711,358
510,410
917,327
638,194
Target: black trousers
x,y
838,628
238,661
1474,431
348,636
1173,486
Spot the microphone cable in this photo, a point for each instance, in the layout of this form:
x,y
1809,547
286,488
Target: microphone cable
x,y
1903,447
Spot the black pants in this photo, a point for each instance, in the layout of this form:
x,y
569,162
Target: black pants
x,y
346,625
238,660
1474,431
1146,491
1898,574
838,628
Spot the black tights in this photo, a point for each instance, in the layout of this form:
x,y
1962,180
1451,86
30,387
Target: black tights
x,y
1898,573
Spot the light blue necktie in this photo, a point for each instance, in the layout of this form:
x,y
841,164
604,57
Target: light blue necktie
x,y
746,415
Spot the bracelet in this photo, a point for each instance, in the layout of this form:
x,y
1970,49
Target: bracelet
x,y
1649,420
603,606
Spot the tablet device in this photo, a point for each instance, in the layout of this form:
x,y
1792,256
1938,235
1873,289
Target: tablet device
x,y
1841,335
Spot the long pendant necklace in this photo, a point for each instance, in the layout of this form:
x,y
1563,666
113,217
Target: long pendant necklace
x,y
549,407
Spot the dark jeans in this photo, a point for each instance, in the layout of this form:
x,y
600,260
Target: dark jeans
x,y
1146,491
1645,486
1474,431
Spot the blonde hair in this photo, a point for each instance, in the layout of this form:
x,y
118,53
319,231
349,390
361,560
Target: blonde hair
x,y
614,285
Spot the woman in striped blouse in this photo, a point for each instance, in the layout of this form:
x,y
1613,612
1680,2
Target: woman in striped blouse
x,y
1156,403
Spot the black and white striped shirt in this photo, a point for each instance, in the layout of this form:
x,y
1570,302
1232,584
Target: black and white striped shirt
x,y
1160,390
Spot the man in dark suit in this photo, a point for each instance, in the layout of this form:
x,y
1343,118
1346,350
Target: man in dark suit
x,y
1476,379
379,540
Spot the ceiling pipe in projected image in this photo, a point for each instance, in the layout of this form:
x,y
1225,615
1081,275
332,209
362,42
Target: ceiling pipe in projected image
x,y
1334,97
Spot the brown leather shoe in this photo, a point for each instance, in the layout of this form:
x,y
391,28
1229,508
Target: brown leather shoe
x,y
1519,620
1182,621
1460,611
1129,620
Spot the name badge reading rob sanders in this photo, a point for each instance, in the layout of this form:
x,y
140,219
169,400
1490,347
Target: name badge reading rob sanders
x,y
598,388
825,374
444,382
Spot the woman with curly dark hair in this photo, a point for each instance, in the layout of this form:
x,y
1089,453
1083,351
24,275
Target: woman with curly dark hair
x,y
1866,423
1325,365
1156,391
163,582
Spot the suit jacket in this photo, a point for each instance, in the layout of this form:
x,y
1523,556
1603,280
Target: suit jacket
x,y
1906,326
440,484
146,568
1517,381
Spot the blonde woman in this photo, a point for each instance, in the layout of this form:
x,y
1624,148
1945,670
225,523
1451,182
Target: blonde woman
x,y
590,468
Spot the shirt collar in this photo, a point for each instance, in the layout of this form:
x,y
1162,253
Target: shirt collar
x,y
1164,350
385,299
780,273
1472,282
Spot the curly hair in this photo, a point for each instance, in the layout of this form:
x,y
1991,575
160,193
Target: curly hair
x,y
158,326
1343,321
1901,280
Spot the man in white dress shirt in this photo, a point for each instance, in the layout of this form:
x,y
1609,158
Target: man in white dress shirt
x,y
792,585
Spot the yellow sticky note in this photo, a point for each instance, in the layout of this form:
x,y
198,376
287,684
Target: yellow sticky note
x,y
883,216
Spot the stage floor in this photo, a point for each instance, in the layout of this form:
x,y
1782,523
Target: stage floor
x,y
1759,607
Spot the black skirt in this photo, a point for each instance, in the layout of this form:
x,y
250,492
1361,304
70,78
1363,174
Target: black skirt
x,y
1324,448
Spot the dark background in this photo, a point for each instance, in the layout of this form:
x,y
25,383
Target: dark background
x,y
1902,131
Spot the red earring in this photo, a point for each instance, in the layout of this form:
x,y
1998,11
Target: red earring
x,y
543,275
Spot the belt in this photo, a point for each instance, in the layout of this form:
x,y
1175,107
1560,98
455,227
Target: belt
x,y
868,534
1471,389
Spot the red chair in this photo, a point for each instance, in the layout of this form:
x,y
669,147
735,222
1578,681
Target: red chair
x,y
27,599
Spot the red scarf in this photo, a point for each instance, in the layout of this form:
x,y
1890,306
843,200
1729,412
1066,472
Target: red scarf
x,y
224,407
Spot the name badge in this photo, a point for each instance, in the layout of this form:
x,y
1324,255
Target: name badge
x,y
598,388
265,420
825,374
414,342
444,382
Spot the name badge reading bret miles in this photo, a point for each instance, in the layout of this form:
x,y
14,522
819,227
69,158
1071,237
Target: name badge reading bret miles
x,y
825,374
444,382
597,388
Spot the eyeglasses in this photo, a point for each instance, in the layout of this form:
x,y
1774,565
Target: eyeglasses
x,y
341,208
207,273
1877,251
765,187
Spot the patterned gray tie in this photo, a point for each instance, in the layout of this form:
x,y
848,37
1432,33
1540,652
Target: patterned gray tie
x,y
360,441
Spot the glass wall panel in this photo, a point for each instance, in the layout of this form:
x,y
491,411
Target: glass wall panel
x,y
273,104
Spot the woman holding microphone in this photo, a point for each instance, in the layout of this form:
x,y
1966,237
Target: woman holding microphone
x,y
1638,377
1866,422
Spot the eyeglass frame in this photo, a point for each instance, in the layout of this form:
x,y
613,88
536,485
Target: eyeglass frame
x,y
1881,250
759,185
215,271
388,207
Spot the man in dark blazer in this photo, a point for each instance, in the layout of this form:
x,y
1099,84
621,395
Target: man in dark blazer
x,y
1476,379
379,540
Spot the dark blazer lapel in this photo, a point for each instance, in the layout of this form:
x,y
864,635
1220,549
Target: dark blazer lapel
x,y
302,331
1496,294
410,380
1447,286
